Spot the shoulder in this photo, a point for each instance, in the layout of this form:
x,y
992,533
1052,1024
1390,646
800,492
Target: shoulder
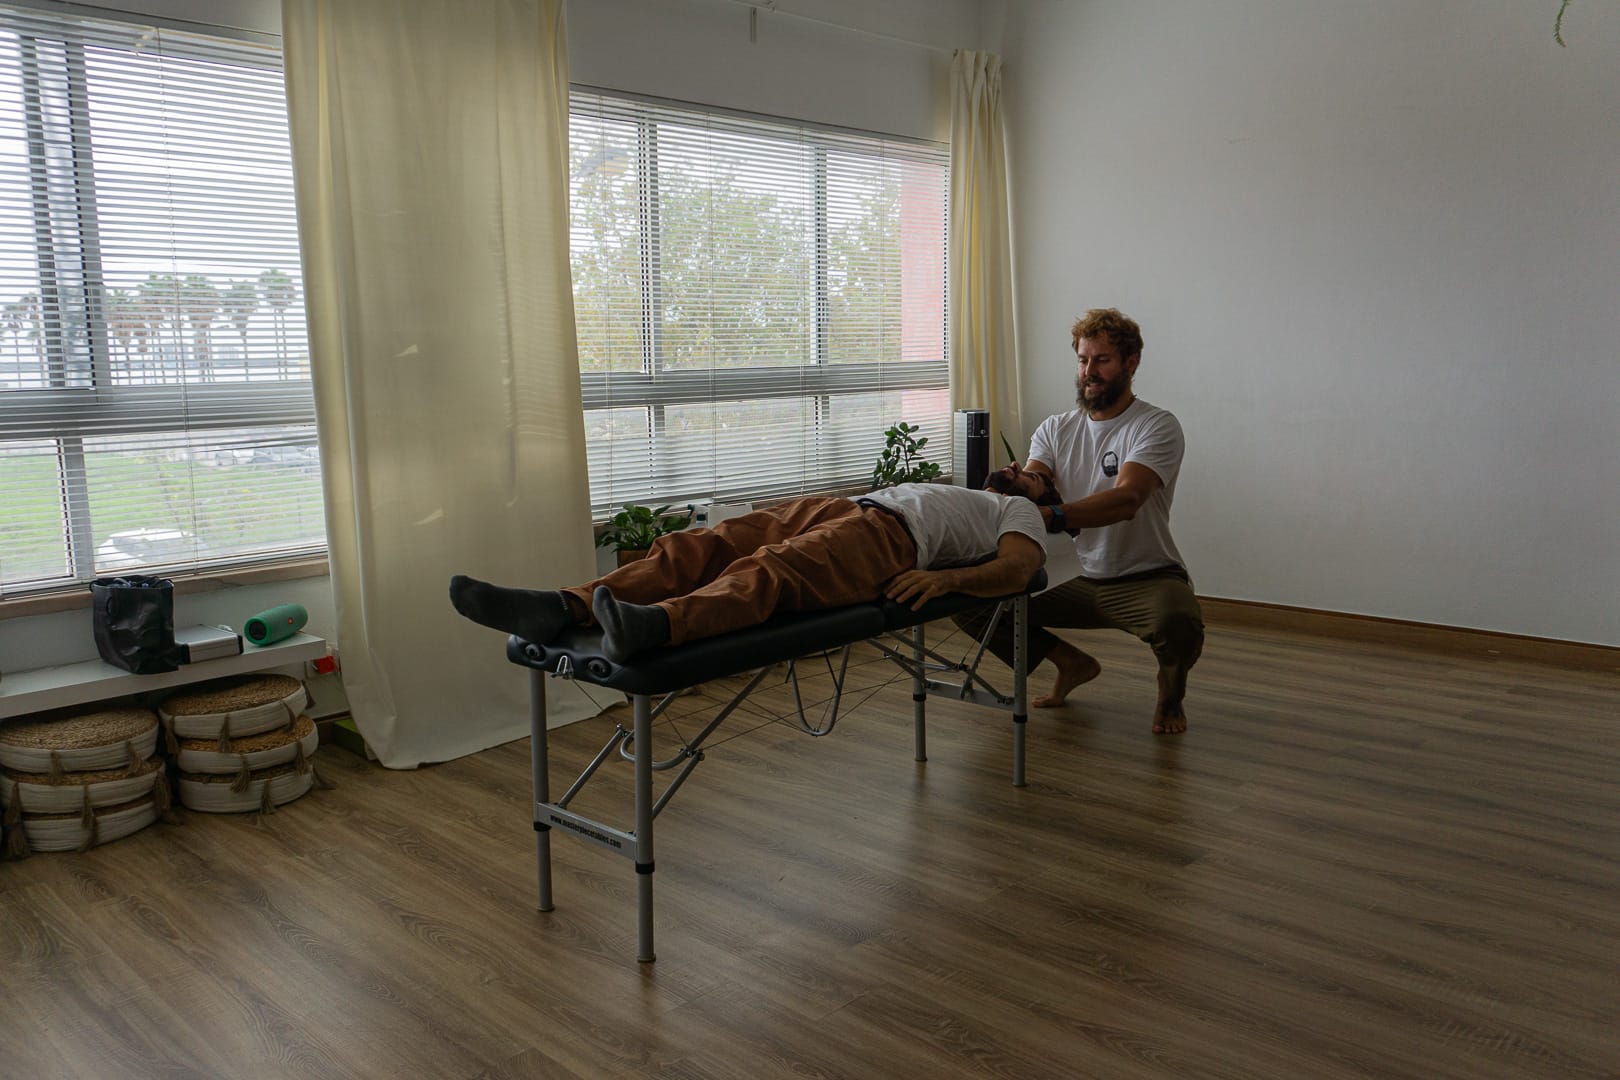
x,y
1018,514
1059,421
1055,430
1153,420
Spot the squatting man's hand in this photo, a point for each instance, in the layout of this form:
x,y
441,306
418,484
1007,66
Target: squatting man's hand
x,y
917,587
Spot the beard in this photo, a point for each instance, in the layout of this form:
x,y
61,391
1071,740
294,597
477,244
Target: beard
x,y
1104,394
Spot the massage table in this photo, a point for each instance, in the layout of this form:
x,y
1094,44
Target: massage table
x,y
666,672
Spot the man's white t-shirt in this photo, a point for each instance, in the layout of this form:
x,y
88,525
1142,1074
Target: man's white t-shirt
x,y
957,526
1085,456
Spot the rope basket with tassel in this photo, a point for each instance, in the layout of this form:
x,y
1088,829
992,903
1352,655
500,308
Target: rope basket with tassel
x,y
226,710
246,790
262,751
45,794
90,741
78,830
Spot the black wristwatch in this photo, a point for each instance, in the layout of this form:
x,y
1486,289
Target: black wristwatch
x,y
1055,525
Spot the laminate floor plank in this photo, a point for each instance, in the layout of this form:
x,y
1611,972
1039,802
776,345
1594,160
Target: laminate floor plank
x,y
1361,862
1075,1018
83,991
1278,952
278,972
1343,921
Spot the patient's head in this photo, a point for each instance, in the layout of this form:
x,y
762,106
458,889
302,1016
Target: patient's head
x,y
1038,488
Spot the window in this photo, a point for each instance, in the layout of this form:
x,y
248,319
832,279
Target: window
x,y
155,401
756,301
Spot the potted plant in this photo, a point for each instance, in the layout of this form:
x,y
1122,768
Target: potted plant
x,y
901,461
632,530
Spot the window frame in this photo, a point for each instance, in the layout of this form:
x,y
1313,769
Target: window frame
x,y
658,386
71,413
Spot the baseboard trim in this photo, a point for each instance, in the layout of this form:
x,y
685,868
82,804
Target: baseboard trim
x,y
1431,637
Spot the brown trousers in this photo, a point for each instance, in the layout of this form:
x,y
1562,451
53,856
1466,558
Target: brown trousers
x,y
1159,607
804,555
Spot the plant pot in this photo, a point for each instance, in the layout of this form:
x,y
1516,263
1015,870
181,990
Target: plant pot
x,y
630,555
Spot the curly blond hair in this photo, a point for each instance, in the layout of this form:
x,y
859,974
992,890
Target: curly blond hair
x,y
1120,329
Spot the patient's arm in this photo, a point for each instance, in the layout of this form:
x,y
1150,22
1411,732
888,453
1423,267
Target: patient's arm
x,y
1017,559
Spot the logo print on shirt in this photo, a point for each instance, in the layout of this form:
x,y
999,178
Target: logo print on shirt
x,y
1110,464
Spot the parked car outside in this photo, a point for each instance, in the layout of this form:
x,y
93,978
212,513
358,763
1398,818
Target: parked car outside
x,y
130,548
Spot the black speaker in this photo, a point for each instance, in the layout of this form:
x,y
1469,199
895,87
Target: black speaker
x,y
970,448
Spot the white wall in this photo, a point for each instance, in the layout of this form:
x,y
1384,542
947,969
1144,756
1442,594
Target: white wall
x,y
1375,251
798,67
255,16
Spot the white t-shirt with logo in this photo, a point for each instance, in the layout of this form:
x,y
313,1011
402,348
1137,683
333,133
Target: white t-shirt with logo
x,y
957,526
1085,456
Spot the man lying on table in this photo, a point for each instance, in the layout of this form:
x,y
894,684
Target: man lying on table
x,y
910,543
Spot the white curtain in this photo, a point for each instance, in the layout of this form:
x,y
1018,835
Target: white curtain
x,y
984,363
430,147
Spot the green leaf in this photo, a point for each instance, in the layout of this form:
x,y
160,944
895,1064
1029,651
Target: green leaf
x,y
901,461
636,527
1007,446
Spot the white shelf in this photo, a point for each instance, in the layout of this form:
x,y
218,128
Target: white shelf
x,y
24,692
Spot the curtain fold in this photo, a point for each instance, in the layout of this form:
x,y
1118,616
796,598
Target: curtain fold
x,y
984,362
430,165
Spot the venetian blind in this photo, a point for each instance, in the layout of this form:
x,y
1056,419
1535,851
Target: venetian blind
x,y
155,403
757,300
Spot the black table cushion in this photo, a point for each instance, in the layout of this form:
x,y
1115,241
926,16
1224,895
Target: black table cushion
x,y
663,670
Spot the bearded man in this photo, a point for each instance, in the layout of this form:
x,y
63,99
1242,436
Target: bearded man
x,y
1115,458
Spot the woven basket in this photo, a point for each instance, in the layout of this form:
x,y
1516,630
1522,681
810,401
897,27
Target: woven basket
x,y
228,709
264,790
91,741
67,832
292,743
66,795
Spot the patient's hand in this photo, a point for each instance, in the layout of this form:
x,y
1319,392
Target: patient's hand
x,y
917,587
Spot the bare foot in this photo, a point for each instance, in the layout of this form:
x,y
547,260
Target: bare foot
x,y
1074,668
1169,720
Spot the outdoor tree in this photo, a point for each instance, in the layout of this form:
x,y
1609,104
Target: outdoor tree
x,y
26,321
157,331
199,305
18,320
159,299
278,292
719,218
123,320
240,301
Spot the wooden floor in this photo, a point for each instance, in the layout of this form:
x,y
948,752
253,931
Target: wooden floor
x,y
1359,863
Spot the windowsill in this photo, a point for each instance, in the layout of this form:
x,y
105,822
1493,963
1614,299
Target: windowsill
x,y
77,597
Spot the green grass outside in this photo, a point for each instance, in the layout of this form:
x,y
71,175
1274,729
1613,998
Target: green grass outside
x,y
238,508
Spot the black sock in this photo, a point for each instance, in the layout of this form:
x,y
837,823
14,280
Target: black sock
x,y
534,615
628,628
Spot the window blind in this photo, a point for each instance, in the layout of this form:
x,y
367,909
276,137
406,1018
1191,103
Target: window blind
x,y
155,402
756,300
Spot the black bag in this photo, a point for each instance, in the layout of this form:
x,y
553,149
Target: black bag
x,y
134,623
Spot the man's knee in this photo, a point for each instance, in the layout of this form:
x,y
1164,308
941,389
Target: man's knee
x,y
1178,634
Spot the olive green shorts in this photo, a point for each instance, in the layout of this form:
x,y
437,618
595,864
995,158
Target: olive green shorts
x,y
1157,606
